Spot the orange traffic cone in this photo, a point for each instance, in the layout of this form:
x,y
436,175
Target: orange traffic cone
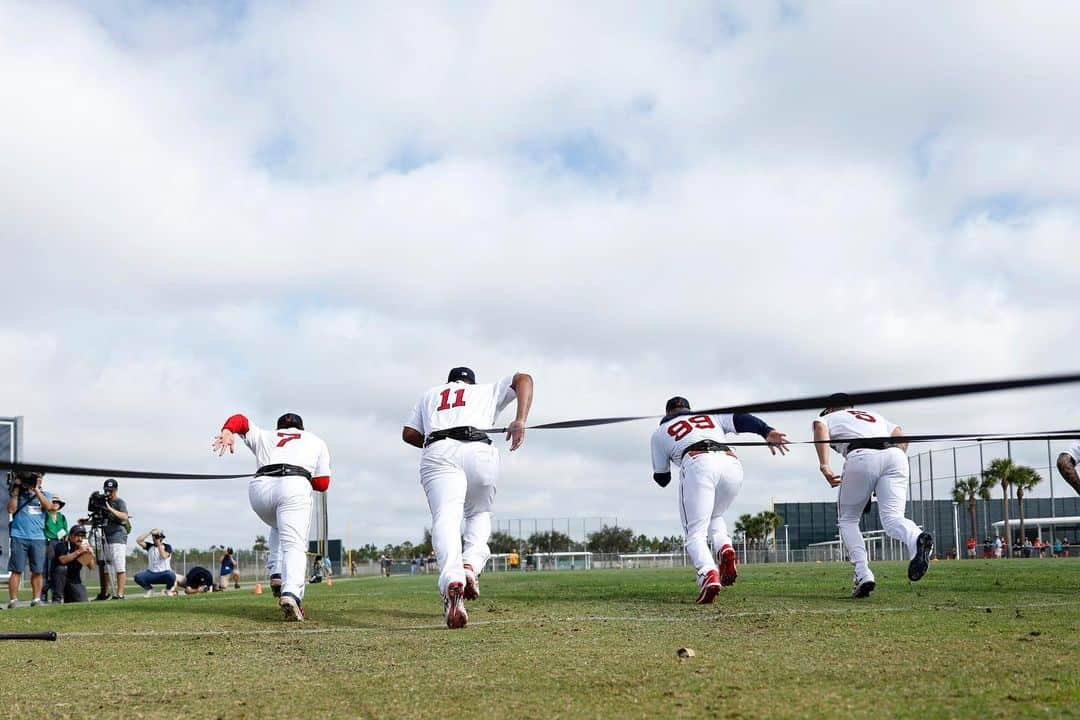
x,y
258,588
329,582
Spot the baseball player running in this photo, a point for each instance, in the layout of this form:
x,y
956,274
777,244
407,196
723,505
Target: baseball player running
x,y
458,471
710,476
291,463
870,466
1066,464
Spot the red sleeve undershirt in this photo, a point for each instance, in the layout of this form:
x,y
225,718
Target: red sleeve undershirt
x,y
237,424
320,483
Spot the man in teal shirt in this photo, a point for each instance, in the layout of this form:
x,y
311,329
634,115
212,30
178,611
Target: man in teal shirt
x,y
27,506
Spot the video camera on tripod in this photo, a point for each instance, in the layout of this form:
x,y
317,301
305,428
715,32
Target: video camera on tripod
x,y
22,481
95,505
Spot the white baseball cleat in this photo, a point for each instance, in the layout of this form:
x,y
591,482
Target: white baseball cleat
x,y
454,606
291,608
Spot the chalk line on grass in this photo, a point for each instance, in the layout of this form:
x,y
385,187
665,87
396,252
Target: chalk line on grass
x,y
659,619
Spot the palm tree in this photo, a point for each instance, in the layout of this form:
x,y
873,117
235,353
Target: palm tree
x,y
1002,471
1025,479
967,491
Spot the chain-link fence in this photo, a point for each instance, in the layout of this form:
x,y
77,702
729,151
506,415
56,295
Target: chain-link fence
x,y
934,473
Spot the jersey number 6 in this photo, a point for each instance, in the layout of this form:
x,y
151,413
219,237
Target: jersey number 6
x,y
682,428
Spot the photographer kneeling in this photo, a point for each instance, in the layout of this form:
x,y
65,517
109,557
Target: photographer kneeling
x,y
27,506
73,553
158,571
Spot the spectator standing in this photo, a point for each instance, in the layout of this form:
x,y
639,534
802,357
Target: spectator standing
x,y
514,560
228,570
1057,548
56,528
971,547
431,562
997,546
988,548
159,563
1065,547
72,554
27,506
117,526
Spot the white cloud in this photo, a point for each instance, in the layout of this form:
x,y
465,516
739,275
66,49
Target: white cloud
x,y
322,208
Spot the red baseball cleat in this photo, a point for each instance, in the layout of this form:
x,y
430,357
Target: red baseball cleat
x,y
710,588
726,559
454,606
472,583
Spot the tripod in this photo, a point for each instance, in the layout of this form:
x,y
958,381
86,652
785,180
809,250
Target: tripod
x,y
101,552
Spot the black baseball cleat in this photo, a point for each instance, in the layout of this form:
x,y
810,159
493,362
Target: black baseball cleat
x,y
863,588
275,585
924,547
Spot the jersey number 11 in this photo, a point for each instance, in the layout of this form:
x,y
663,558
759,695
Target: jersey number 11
x,y
459,399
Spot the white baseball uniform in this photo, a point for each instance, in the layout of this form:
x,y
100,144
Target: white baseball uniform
x,y
459,477
284,503
1073,451
708,481
867,471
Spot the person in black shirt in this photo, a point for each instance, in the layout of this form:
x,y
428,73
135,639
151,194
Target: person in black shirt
x,y
71,553
197,580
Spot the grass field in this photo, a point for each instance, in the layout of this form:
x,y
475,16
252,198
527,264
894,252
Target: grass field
x,y
973,639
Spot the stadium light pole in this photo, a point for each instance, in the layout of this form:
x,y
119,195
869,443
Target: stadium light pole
x,y
956,527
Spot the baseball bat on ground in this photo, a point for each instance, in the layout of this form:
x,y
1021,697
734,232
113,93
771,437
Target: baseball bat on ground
x,y
47,635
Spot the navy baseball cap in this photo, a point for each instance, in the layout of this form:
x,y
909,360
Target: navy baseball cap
x,y
461,374
110,484
290,420
76,530
677,402
836,400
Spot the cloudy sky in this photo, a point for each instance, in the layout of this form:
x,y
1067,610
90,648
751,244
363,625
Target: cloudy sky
x,y
212,207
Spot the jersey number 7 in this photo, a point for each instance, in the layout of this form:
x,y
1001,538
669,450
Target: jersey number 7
x,y
286,437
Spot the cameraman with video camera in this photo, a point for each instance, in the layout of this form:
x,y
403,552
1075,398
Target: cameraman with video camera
x,y
112,512
27,506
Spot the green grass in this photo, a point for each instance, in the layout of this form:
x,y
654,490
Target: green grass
x,y
973,639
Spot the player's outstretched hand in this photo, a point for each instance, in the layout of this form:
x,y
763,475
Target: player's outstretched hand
x,y
833,480
777,442
223,441
515,433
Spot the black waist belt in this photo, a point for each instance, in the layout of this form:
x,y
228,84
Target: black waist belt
x,y
869,445
705,446
281,470
465,433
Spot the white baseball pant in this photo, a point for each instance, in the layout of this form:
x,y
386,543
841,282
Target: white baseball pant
x,y
284,503
886,473
459,481
708,484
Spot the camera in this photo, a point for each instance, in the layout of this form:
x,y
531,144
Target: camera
x,y
96,507
157,536
24,481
